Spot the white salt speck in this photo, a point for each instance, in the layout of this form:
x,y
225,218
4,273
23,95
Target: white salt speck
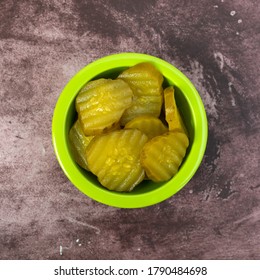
x,y
43,151
215,6
80,244
240,20
237,33
138,249
77,241
233,101
230,88
61,250
190,191
222,1
89,242
232,13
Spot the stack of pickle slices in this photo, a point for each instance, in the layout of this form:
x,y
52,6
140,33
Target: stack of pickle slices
x,y
129,129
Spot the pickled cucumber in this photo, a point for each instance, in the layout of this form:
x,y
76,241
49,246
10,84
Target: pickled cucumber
x,y
172,114
78,144
146,82
101,103
149,125
162,155
114,158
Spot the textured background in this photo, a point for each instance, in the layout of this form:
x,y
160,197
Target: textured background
x,y
44,43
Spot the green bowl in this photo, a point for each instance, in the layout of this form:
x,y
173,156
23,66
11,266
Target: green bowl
x,y
147,193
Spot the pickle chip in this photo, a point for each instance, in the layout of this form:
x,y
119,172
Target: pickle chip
x,y
101,103
114,158
149,125
146,82
162,155
172,114
78,144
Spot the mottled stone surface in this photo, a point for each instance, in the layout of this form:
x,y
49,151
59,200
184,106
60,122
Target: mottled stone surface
x,y
44,43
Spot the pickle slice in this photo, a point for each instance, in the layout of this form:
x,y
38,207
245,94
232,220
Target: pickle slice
x,y
114,158
101,103
172,114
162,155
78,144
146,82
149,125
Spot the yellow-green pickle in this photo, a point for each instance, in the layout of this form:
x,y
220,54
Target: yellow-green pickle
x,y
115,159
162,155
149,125
79,142
172,114
146,82
101,103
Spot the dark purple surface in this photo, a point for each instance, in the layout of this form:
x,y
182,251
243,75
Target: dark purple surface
x,y
44,43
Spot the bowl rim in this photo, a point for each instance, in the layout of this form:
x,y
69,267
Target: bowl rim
x,y
102,195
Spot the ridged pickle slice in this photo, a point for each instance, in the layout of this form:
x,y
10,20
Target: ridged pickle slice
x,y
146,82
101,103
162,155
79,143
142,106
172,114
149,125
114,158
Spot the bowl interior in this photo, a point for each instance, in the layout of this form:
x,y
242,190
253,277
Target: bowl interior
x,y
147,192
